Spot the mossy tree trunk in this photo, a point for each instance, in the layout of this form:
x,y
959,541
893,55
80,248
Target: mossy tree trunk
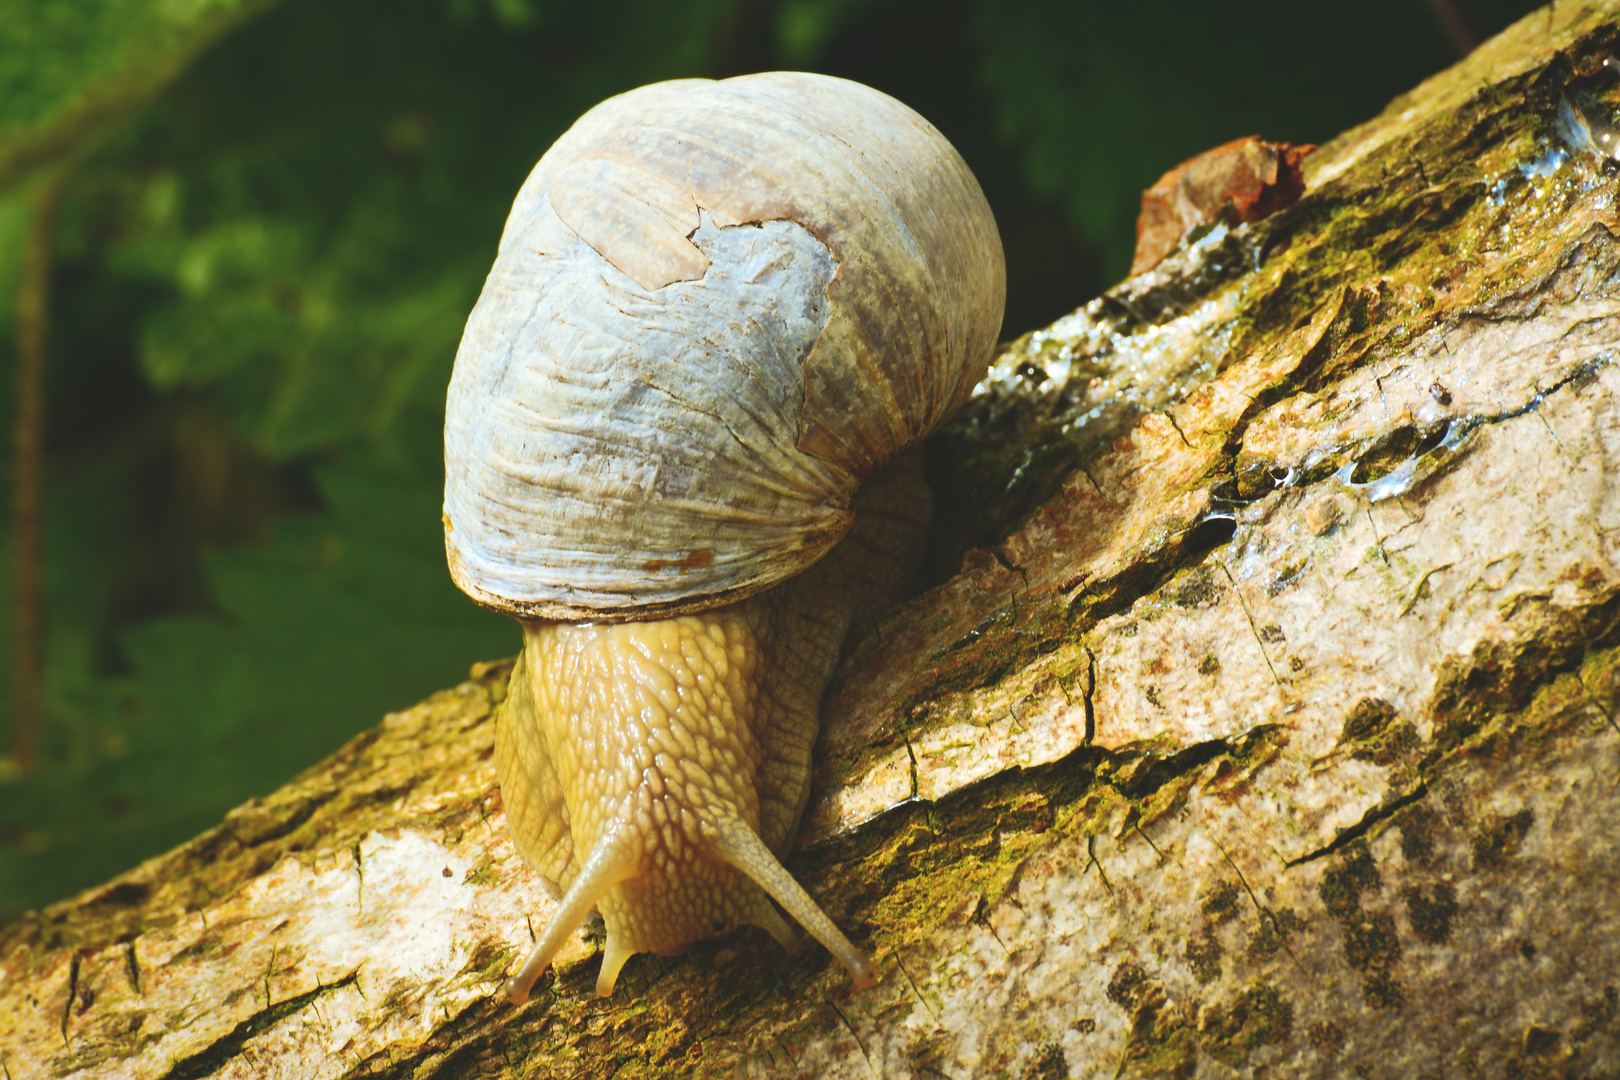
x,y
1261,719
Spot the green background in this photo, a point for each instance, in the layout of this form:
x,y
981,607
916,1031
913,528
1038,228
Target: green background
x,y
276,218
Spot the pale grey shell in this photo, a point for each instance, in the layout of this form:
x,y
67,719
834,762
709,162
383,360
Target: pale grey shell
x,y
716,308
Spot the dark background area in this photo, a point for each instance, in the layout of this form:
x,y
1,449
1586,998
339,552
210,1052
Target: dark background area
x,y
260,278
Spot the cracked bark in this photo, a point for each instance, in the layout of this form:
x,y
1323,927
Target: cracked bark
x,y
1261,715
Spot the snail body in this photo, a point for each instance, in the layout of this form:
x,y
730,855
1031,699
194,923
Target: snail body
x,y
717,308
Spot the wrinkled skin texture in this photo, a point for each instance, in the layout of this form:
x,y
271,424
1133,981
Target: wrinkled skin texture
x,y
656,769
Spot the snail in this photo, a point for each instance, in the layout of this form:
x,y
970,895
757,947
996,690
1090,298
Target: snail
x,y
716,309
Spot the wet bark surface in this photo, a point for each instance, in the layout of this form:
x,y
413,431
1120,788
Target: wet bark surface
x,y
1260,718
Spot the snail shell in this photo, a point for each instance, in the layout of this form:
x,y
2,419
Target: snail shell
x,y
717,309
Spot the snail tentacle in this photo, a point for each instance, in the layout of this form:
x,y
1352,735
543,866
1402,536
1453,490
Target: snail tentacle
x,y
737,844
613,860
613,959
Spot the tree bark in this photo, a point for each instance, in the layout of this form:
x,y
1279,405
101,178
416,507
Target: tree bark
x,y
1264,722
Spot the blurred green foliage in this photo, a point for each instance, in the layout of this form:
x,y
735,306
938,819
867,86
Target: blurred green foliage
x,y
71,71
271,239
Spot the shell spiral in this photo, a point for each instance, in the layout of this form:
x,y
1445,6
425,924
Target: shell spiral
x,y
716,308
